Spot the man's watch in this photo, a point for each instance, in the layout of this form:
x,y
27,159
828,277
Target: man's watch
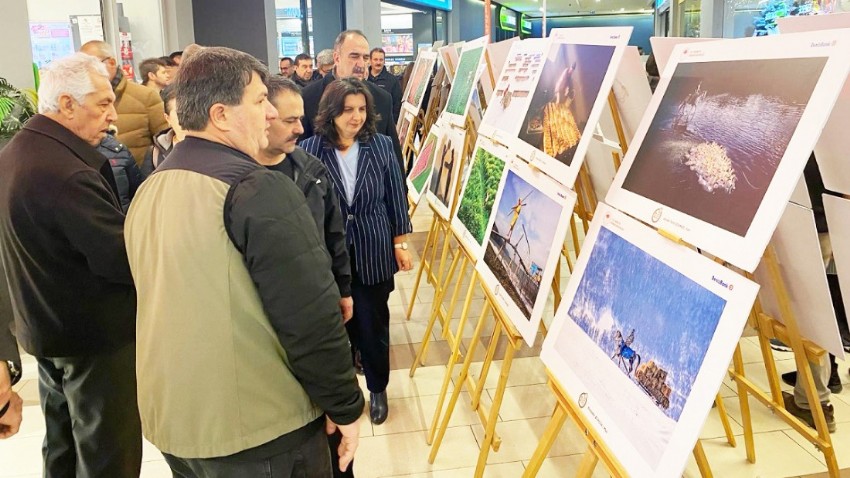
x,y
400,245
14,371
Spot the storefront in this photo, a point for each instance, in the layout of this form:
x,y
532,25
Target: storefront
x,y
408,27
58,28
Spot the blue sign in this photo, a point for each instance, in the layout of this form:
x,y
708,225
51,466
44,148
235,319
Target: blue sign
x,y
438,4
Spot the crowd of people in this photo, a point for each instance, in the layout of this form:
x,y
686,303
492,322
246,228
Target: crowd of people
x,y
208,276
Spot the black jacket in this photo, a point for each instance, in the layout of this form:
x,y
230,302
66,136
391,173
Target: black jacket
x,y
299,81
311,177
157,152
391,85
383,106
127,175
62,242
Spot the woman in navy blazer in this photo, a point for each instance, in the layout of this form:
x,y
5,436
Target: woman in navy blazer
x,y
368,183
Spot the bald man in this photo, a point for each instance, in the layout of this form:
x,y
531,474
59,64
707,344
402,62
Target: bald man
x,y
140,111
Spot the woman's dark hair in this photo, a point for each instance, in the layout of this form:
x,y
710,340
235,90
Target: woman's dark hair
x,y
332,105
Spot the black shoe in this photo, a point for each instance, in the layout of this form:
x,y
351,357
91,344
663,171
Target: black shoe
x,y
378,408
779,345
806,415
834,384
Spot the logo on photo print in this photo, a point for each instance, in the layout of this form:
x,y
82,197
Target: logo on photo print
x,y
582,400
656,215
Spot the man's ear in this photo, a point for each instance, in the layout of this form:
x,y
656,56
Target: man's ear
x,y
67,105
219,117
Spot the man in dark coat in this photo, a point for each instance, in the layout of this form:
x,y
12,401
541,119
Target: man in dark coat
x,y
351,58
379,75
62,245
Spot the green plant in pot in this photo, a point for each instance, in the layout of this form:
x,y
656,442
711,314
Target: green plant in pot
x,y
16,107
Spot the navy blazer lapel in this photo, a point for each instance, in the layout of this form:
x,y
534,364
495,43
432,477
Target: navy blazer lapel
x,y
365,165
332,164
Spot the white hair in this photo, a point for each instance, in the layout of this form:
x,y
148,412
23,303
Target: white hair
x,y
71,76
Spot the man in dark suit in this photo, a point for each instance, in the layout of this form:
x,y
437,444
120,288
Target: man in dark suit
x,y
351,58
379,75
11,405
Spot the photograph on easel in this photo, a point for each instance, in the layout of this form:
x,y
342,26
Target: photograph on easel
x,y
727,135
523,244
644,333
719,135
446,174
403,126
560,108
420,79
515,85
420,175
465,78
478,197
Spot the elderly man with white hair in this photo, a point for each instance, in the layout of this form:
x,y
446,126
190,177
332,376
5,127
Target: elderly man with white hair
x,y
62,245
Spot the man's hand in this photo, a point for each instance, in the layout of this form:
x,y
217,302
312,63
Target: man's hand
x,y
10,422
349,442
346,306
5,383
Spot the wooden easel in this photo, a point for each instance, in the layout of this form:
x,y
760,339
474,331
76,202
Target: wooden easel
x,y
596,447
804,352
476,388
441,228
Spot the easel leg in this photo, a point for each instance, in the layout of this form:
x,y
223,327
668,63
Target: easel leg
x,y
702,461
546,441
456,293
435,312
744,401
588,464
422,264
453,358
490,430
464,372
724,419
485,366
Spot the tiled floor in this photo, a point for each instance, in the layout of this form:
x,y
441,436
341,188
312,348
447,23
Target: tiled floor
x,y
398,447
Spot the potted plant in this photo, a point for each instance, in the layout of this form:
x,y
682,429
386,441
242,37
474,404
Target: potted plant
x,y
16,107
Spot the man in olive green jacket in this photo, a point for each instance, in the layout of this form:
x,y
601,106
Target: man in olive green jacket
x,y
242,352
140,109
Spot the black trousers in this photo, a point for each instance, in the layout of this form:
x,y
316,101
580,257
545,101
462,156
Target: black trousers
x,y
92,416
308,460
369,330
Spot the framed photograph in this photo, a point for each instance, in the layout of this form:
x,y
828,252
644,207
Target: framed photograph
x,y
642,339
447,158
523,244
420,79
801,264
419,177
568,96
831,148
404,123
726,137
465,79
481,184
515,86
449,58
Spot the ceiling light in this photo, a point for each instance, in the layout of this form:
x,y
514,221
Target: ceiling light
x,y
541,9
622,9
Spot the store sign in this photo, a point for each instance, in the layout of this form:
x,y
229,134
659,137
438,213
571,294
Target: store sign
x,y
524,25
507,19
438,4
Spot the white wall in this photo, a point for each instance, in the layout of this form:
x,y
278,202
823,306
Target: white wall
x,y
58,10
145,18
17,60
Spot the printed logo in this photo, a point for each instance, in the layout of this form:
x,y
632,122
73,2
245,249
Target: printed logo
x,y
656,215
722,282
582,400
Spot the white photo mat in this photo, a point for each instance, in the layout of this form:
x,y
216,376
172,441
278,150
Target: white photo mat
x,y
645,439
468,240
421,73
831,149
743,251
469,60
545,217
423,166
448,56
440,193
803,273
564,44
838,217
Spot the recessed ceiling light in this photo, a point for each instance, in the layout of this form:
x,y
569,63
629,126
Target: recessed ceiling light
x,y
622,9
